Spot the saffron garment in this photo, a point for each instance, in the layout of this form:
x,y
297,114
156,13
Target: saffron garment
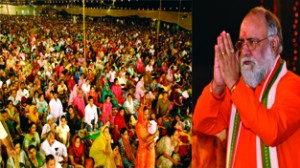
x,y
277,126
145,155
208,151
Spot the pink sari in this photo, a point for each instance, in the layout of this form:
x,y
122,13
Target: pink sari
x,y
106,112
79,105
117,91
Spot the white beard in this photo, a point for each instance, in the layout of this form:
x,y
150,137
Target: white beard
x,y
256,71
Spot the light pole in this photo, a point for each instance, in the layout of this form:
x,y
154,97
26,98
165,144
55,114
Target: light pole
x,y
178,16
84,31
158,23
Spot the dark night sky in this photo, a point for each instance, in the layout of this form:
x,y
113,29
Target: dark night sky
x,y
211,18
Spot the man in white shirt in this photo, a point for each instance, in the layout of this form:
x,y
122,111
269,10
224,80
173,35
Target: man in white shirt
x,y
91,115
55,148
16,99
22,91
56,108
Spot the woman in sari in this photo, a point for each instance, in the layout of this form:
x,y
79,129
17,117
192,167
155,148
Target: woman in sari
x,y
106,111
73,119
14,116
76,152
126,149
79,103
101,150
167,148
145,157
71,83
140,89
42,108
116,154
117,91
106,91
140,66
119,123
19,159
32,137
36,158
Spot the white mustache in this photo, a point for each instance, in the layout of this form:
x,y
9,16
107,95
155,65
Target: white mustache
x,y
244,59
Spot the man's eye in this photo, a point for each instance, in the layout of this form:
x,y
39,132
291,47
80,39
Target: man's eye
x,y
251,41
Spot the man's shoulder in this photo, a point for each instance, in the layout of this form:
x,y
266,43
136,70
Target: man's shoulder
x,y
58,144
44,144
291,77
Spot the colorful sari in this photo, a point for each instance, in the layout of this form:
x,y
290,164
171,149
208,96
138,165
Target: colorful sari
x,y
18,160
164,145
120,122
106,112
107,92
97,152
145,156
126,152
40,160
79,105
140,66
117,91
77,153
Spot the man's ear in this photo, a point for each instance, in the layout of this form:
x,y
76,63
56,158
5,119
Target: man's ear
x,y
275,44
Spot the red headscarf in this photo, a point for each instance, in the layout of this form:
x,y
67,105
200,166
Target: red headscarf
x,y
77,152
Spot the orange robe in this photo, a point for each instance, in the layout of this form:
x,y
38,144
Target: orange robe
x,y
145,156
277,126
208,152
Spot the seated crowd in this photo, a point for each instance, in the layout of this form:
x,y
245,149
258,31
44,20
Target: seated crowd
x,y
66,105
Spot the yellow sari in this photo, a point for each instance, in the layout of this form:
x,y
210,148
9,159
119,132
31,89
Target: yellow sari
x,y
97,151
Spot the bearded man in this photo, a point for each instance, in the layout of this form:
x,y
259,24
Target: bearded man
x,y
261,108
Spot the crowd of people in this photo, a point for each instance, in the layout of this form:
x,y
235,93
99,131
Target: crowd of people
x,y
118,96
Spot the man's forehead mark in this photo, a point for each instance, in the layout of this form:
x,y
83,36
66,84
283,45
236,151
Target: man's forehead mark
x,y
244,34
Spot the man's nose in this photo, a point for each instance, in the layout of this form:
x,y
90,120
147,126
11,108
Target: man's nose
x,y
245,50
